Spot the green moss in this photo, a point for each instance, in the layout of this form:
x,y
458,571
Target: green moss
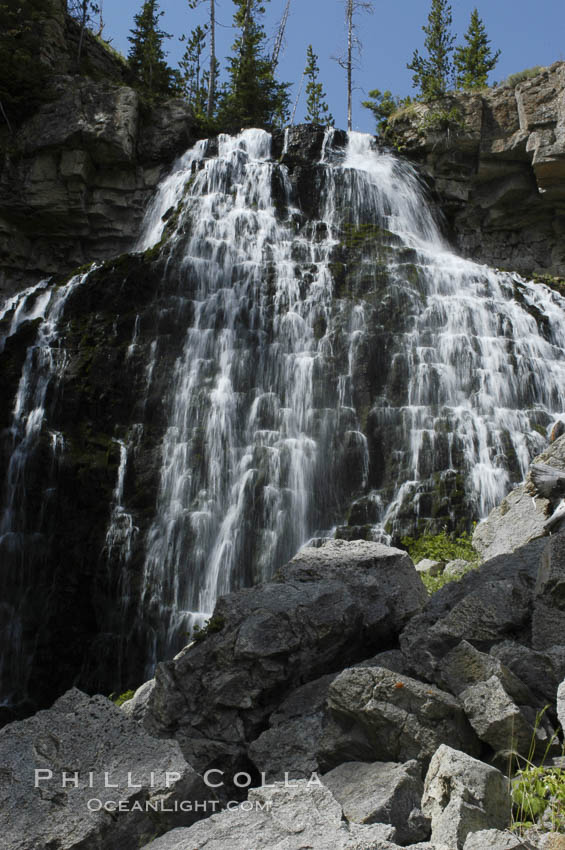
x,y
435,583
555,283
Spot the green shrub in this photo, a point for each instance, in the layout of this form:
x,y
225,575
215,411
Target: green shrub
x,y
214,624
512,81
442,119
119,700
538,791
441,547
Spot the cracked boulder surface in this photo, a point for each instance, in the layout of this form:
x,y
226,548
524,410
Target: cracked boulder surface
x,y
327,608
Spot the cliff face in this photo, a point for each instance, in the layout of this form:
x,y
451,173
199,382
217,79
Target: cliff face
x,y
499,171
295,350
76,176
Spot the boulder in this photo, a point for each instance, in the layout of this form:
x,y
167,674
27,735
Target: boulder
x,y
465,666
499,722
495,839
519,518
137,705
429,567
327,608
285,817
457,568
540,671
61,767
551,841
392,659
561,705
523,515
463,795
548,621
382,792
289,748
487,606
384,716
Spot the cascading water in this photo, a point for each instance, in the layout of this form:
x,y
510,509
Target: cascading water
x,y
336,362
20,544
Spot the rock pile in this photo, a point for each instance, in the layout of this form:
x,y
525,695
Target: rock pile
x,y
337,706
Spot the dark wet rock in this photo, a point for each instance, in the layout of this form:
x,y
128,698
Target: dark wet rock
x,y
383,716
540,671
324,609
548,621
289,748
487,606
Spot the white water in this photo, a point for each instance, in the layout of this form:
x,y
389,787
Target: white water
x,y
44,364
286,383
243,455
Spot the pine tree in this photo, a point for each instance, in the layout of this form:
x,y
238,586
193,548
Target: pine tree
x,y
82,11
474,61
316,106
146,58
193,79
253,98
382,105
212,76
434,74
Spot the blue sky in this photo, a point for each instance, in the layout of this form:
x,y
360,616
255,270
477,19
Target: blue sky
x,y
527,34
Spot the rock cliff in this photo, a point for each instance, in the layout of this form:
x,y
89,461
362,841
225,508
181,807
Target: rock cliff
x,y
497,169
77,173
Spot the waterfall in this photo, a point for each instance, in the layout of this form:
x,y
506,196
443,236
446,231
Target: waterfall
x,y
338,367
20,545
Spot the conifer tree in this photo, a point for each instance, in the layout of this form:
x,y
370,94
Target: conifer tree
x,y
475,60
433,75
193,79
82,11
316,106
253,98
382,105
213,69
146,58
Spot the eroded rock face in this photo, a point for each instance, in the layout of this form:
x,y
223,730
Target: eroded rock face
x,y
324,609
500,174
77,175
79,736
